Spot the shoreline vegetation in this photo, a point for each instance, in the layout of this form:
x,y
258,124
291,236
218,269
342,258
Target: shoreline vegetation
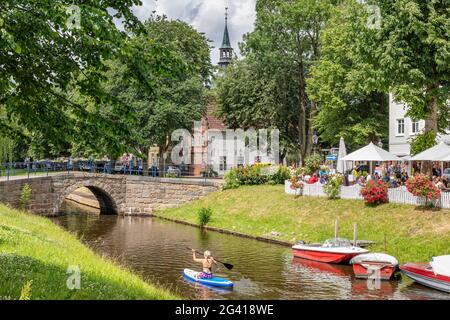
x,y
38,258
404,231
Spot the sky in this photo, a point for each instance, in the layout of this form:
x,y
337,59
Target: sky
x,y
206,16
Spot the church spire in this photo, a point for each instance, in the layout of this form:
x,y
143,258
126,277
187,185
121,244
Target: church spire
x,y
226,51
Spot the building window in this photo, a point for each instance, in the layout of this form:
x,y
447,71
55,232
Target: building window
x,y
415,127
401,126
223,164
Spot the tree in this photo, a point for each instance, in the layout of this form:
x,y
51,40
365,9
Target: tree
x,y
346,107
169,103
283,45
49,48
409,55
246,99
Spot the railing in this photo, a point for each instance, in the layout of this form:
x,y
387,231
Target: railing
x,y
29,169
398,195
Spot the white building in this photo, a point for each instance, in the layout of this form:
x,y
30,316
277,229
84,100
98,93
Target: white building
x,y
402,129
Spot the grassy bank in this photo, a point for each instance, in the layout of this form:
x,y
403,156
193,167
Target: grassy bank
x,y
33,249
412,235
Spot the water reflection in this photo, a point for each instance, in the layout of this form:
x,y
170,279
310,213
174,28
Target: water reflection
x,y
157,250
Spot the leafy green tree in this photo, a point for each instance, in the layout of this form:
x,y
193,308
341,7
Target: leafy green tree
x,y
408,55
168,103
284,44
347,108
51,49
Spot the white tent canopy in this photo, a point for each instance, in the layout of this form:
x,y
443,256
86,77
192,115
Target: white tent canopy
x,y
371,153
440,152
341,165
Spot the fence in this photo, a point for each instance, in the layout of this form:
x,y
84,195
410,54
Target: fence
x,y
398,195
34,168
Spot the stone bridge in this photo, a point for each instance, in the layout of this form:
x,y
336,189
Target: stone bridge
x,y
116,194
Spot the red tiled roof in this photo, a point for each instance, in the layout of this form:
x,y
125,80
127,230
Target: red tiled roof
x,y
214,122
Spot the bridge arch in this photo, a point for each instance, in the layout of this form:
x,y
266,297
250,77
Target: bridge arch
x,y
102,192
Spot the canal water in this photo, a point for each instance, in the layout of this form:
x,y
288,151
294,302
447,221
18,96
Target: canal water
x,y
156,249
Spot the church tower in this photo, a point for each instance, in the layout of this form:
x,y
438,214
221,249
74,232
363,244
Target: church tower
x,y
226,51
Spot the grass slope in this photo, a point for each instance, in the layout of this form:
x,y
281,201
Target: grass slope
x,y
412,235
34,248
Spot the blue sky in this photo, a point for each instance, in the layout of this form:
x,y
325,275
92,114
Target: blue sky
x,y
206,16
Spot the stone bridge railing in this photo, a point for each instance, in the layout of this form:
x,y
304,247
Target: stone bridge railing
x,y
124,195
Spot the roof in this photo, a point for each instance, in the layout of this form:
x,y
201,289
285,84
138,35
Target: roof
x,y
226,44
371,153
213,121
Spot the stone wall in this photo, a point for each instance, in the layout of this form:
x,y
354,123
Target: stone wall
x,y
126,195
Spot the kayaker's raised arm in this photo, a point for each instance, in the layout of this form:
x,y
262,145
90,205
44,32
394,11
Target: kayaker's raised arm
x,y
194,257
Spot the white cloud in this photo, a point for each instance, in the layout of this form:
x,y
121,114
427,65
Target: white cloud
x,y
206,16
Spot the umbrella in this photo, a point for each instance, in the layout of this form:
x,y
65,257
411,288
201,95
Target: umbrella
x,y
440,152
341,165
371,153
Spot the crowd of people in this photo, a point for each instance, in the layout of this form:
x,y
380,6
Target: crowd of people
x,y
394,175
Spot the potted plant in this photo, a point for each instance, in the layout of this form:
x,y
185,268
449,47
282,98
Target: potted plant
x,y
297,185
422,187
375,193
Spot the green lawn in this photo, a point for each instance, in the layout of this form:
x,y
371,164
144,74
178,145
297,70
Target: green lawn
x,y
412,235
33,248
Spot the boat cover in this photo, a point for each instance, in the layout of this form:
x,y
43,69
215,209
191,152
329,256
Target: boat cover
x,y
374,257
441,265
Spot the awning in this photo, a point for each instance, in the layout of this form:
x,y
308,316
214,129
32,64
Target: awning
x,y
439,152
371,153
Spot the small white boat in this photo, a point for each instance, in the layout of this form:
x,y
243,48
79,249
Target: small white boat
x,y
365,265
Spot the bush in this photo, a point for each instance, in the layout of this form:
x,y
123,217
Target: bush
x,y
423,142
375,193
204,216
171,175
280,175
312,164
333,186
24,196
421,186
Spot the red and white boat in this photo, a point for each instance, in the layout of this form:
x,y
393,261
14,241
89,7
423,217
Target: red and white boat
x,y
435,274
374,264
335,250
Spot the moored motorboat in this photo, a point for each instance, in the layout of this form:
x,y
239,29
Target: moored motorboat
x,y
374,264
435,274
335,250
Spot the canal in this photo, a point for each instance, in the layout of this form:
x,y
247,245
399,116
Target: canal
x,y
156,250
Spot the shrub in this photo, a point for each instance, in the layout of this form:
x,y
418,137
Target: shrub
x,y
333,186
423,142
171,175
312,164
375,193
421,186
204,216
24,196
279,175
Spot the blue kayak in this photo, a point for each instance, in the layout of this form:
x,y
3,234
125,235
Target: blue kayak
x,y
215,281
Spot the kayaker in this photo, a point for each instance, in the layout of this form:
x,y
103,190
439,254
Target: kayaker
x,y
208,262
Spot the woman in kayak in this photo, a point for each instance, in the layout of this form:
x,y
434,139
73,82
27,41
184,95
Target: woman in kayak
x,y
208,262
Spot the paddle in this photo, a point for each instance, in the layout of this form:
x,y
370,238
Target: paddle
x,y
227,265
